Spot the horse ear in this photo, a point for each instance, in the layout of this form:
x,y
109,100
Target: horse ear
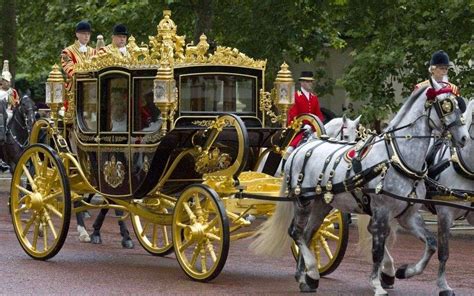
x,y
468,115
435,84
356,121
344,119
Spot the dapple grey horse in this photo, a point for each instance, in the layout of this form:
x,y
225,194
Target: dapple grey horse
x,y
394,166
447,174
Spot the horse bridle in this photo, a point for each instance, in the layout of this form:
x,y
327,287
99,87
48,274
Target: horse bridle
x,y
23,125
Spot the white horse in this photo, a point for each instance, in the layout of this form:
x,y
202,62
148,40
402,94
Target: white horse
x,y
451,178
446,215
342,128
394,166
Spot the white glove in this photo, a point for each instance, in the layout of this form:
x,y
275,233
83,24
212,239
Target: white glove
x,y
308,128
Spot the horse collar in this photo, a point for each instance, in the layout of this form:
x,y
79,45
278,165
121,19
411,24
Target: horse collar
x,y
460,165
399,163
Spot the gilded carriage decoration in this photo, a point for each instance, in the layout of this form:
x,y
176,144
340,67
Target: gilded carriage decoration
x,y
114,172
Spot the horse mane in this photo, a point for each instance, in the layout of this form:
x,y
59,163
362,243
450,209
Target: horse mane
x,y
405,109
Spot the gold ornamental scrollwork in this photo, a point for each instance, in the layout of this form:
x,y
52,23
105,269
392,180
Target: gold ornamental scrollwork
x,y
212,161
146,164
266,104
114,172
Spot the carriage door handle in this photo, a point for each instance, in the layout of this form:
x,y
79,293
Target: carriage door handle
x,y
97,139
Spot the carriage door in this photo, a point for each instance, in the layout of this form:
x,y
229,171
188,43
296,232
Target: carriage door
x,y
114,133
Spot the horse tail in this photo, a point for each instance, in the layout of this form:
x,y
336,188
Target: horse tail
x,y
272,236
364,245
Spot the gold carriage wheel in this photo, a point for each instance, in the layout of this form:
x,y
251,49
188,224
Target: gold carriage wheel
x,y
329,243
200,233
40,202
156,239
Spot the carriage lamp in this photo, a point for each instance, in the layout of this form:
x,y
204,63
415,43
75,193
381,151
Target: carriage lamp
x,y
165,94
284,89
54,91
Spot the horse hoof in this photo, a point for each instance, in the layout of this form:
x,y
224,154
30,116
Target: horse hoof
x,y
84,238
312,283
127,244
305,288
387,280
446,293
401,272
96,239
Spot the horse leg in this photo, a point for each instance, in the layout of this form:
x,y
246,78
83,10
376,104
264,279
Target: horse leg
x,y
95,236
127,242
413,221
445,221
83,235
380,229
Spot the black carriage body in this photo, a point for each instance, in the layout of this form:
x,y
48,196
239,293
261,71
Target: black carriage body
x,y
127,159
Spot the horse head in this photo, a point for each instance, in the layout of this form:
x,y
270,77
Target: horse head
x,y
26,109
342,128
448,114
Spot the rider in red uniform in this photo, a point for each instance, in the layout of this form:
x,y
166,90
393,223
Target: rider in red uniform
x,y
305,102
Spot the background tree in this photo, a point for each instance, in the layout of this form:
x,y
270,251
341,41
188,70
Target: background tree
x,y
8,29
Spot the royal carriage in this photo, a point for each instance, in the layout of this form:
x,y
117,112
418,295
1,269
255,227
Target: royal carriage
x,y
175,136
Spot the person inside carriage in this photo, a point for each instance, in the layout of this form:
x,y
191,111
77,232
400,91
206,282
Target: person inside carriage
x,y
305,102
150,115
9,98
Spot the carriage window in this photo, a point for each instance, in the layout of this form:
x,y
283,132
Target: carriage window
x,y
114,102
147,117
87,97
218,92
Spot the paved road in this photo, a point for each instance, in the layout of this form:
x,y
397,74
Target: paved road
x,y
110,270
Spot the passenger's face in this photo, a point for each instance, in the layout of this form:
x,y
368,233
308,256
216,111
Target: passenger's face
x,y
83,37
119,40
5,84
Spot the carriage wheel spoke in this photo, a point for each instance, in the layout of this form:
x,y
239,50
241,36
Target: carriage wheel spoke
x,y
51,226
36,163
189,212
28,224
29,177
154,237
210,249
45,236
52,196
196,252
36,233
144,229
330,235
54,211
51,180
213,237
326,249
45,164
212,223
23,190
21,209
203,261
165,235
185,245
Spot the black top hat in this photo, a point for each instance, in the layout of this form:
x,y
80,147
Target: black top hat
x,y
306,76
439,58
120,29
83,26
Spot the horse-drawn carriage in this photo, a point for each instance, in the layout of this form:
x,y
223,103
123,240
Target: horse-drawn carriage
x,y
174,137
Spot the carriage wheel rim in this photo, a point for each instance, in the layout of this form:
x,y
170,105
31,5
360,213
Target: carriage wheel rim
x,y
154,238
199,234
38,203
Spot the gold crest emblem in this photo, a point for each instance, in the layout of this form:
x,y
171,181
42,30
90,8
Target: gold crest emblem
x,y
114,172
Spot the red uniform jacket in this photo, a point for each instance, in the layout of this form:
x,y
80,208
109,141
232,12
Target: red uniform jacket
x,y
303,105
425,83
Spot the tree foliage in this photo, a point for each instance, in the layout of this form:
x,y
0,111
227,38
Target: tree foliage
x,y
390,41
